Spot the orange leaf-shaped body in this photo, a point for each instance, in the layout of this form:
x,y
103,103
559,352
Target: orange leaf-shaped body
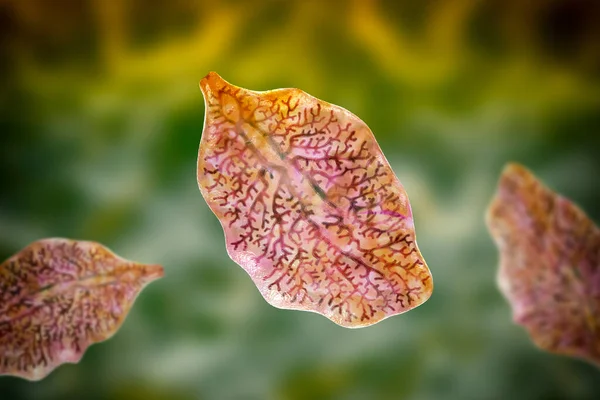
x,y
549,264
310,206
59,296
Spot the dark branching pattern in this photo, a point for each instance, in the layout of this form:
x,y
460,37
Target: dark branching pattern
x,y
57,297
310,206
549,264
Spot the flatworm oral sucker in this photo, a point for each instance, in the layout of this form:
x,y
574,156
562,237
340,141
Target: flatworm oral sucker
x,y
309,205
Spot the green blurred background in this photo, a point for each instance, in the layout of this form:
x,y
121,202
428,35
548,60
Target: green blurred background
x,y
101,118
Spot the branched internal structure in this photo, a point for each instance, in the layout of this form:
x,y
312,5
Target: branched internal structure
x,y
549,264
310,207
59,296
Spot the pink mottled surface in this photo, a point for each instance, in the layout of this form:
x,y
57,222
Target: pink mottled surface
x,y
59,296
310,206
549,264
